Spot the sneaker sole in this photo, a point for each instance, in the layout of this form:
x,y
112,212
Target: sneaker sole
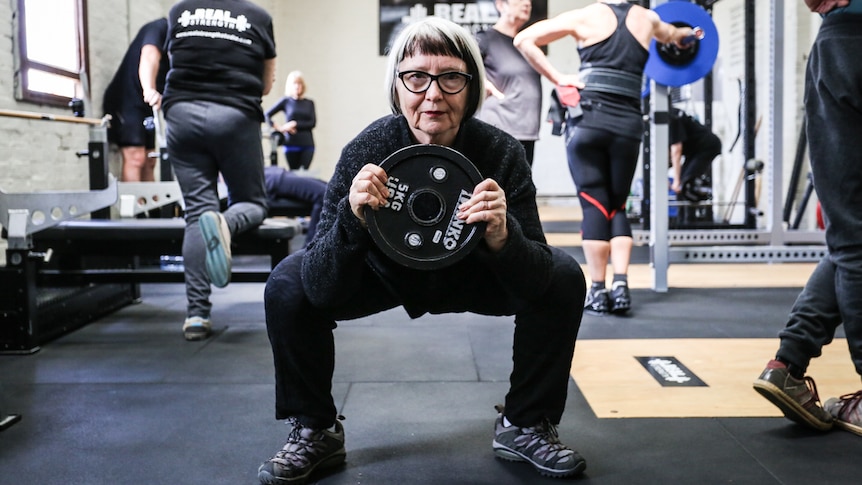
x,y
195,334
621,309
792,410
331,461
853,428
217,261
596,313
508,454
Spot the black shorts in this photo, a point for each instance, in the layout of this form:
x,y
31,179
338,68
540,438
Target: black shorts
x,y
127,128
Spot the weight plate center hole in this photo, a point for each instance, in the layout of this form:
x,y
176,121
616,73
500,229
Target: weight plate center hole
x,y
675,56
426,207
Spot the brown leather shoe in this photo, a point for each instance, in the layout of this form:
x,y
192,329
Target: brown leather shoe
x,y
796,398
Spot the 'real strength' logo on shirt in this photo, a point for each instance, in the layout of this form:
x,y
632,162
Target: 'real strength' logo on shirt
x,y
214,17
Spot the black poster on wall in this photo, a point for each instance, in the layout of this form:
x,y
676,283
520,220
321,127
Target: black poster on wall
x,y
474,15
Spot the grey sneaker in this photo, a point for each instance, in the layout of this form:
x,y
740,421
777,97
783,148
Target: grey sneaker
x,y
796,398
539,446
216,236
306,450
196,328
620,298
597,302
847,411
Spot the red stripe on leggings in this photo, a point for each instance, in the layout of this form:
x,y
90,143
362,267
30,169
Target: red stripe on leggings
x,y
598,206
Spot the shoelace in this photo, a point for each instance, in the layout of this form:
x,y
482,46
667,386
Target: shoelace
x,y
617,285
594,295
297,448
849,404
546,433
815,397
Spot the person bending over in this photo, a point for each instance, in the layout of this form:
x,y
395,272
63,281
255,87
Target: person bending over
x,y
435,80
694,141
137,81
284,183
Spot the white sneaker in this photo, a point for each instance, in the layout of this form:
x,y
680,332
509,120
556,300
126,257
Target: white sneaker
x,y
196,328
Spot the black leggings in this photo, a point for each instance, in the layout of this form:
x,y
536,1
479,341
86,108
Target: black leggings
x,y
298,158
602,165
303,344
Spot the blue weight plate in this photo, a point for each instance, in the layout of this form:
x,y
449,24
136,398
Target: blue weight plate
x,y
691,15
418,228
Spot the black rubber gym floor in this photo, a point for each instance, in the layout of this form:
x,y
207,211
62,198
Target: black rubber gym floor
x,y
126,400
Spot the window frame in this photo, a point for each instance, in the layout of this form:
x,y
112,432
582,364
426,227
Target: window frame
x,y
25,64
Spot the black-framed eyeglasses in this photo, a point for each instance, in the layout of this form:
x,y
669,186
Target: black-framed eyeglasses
x,y
449,82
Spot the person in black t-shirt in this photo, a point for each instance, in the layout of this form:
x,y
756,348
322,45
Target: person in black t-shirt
x,y
222,55
126,101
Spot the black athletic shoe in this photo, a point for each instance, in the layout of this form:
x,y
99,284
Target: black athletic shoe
x,y
597,302
620,299
539,446
696,193
306,450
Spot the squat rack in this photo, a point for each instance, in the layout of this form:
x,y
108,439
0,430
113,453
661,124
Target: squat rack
x,y
749,244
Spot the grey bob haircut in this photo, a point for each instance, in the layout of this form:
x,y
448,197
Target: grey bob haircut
x,y
437,36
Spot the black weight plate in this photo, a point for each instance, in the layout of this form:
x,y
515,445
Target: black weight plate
x,y
418,228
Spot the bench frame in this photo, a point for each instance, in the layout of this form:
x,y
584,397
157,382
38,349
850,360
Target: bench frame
x,y
65,273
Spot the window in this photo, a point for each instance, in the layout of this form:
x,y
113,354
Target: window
x,y
51,51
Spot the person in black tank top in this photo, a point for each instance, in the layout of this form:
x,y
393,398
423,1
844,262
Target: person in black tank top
x,y
603,145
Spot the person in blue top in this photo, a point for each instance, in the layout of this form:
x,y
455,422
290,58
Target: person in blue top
x,y
833,293
299,119
222,61
613,43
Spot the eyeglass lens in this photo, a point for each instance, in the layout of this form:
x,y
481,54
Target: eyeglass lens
x,y
449,82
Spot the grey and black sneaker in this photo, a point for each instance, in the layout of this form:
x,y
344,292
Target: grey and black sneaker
x,y
796,398
306,450
539,446
619,297
597,302
216,236
846,411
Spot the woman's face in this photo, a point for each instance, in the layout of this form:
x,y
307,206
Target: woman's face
x,y
296,88
518,11
433,116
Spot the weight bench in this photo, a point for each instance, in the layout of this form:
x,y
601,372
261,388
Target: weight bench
x,y
116,251
63,272
286,207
